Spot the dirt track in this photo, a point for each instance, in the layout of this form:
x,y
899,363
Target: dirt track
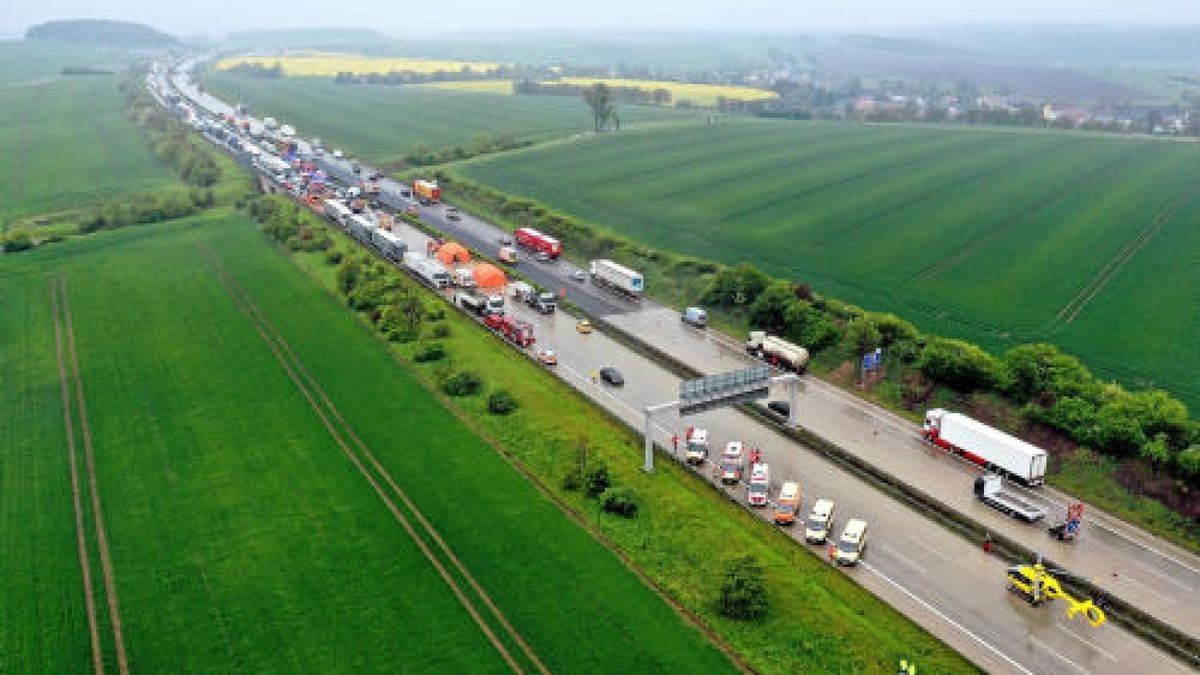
x,y
62,317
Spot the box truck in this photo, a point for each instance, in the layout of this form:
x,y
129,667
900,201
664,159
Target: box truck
x,y
618,277
986,446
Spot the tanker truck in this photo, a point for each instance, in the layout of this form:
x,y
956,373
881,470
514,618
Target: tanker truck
x,y
777,351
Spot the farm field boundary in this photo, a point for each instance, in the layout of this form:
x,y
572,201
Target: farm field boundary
x,y
343,434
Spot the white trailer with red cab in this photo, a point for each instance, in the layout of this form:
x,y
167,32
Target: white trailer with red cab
x,y
986,446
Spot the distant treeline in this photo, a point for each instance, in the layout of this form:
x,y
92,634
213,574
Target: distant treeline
x,y
635,95
102,33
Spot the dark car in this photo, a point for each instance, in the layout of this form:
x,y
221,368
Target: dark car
x,y
782,408
356,168
612,376
542,256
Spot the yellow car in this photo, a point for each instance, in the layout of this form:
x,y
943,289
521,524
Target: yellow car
x,y
583,326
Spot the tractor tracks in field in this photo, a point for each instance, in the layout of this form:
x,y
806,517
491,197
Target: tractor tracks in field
x,y
1088,292
479,605
66,355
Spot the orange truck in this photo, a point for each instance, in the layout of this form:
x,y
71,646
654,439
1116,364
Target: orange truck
x,y
787,506
427,190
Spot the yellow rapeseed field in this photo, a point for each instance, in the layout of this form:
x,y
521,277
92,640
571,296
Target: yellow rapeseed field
x,y
328,65
699,94
483,86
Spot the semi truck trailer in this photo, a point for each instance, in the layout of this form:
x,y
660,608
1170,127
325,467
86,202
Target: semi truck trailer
x,y
427,190
389,244
986,446
618,278
527,237
777,351
427,269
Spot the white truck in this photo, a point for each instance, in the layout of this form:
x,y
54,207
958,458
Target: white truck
x,y
986,446
429,270
989,488
360,228
696,446
618,277
389,244
731,462
777,351
337,212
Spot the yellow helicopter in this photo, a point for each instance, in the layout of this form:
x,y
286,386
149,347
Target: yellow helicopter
x,y
1037,585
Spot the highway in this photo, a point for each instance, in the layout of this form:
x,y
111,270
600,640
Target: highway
x,y
943,582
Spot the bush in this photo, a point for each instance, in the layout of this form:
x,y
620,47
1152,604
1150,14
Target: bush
x,y
1187,463
597,480
573,480
501,402
462,383
959,364
17,241
428,353
441,330
333,256
744,590
863,335
619,500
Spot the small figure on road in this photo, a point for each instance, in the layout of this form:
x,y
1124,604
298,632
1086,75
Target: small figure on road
x,y
595,377
987,542
675,442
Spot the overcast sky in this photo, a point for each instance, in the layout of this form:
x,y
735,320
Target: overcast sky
x,y
407,18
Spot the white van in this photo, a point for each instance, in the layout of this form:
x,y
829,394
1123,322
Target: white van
x,y
820,522
853,542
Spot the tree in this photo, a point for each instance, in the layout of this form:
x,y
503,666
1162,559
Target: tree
x,y
744,590
769,310
600,99
863,334
959,364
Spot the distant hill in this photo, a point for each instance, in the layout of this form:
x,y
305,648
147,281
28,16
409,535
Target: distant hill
x,y
362,39
99,32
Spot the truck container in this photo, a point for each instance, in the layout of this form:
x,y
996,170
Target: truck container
x,y
389,244
777,351
361,229
427,269
337,212
471,300
986,446
989,488
618,277
427,190
527,237
513,329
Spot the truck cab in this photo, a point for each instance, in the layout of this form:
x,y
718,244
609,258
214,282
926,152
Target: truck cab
x,y
731,462
852,543
820,522
494,305
758,493
544,302
787,506
697,446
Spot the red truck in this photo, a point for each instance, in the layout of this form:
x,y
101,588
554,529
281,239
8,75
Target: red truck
x,y
514,330
529,238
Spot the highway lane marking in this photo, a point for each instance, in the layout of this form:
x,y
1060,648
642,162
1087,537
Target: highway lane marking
x,y
1086,641
1048,648
1163,575
911,563
1141,587
912,596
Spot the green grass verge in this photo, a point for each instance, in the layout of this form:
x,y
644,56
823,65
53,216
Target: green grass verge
x,y
820,620
242,538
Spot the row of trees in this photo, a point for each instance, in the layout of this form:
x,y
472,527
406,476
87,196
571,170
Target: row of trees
x,y
423,155
636,95
1051,387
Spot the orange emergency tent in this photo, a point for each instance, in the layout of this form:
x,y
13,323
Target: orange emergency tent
x,y
451,253
489,276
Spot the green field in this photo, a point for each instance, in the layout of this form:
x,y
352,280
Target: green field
x,y
381,122
65,141
242,536
992,235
